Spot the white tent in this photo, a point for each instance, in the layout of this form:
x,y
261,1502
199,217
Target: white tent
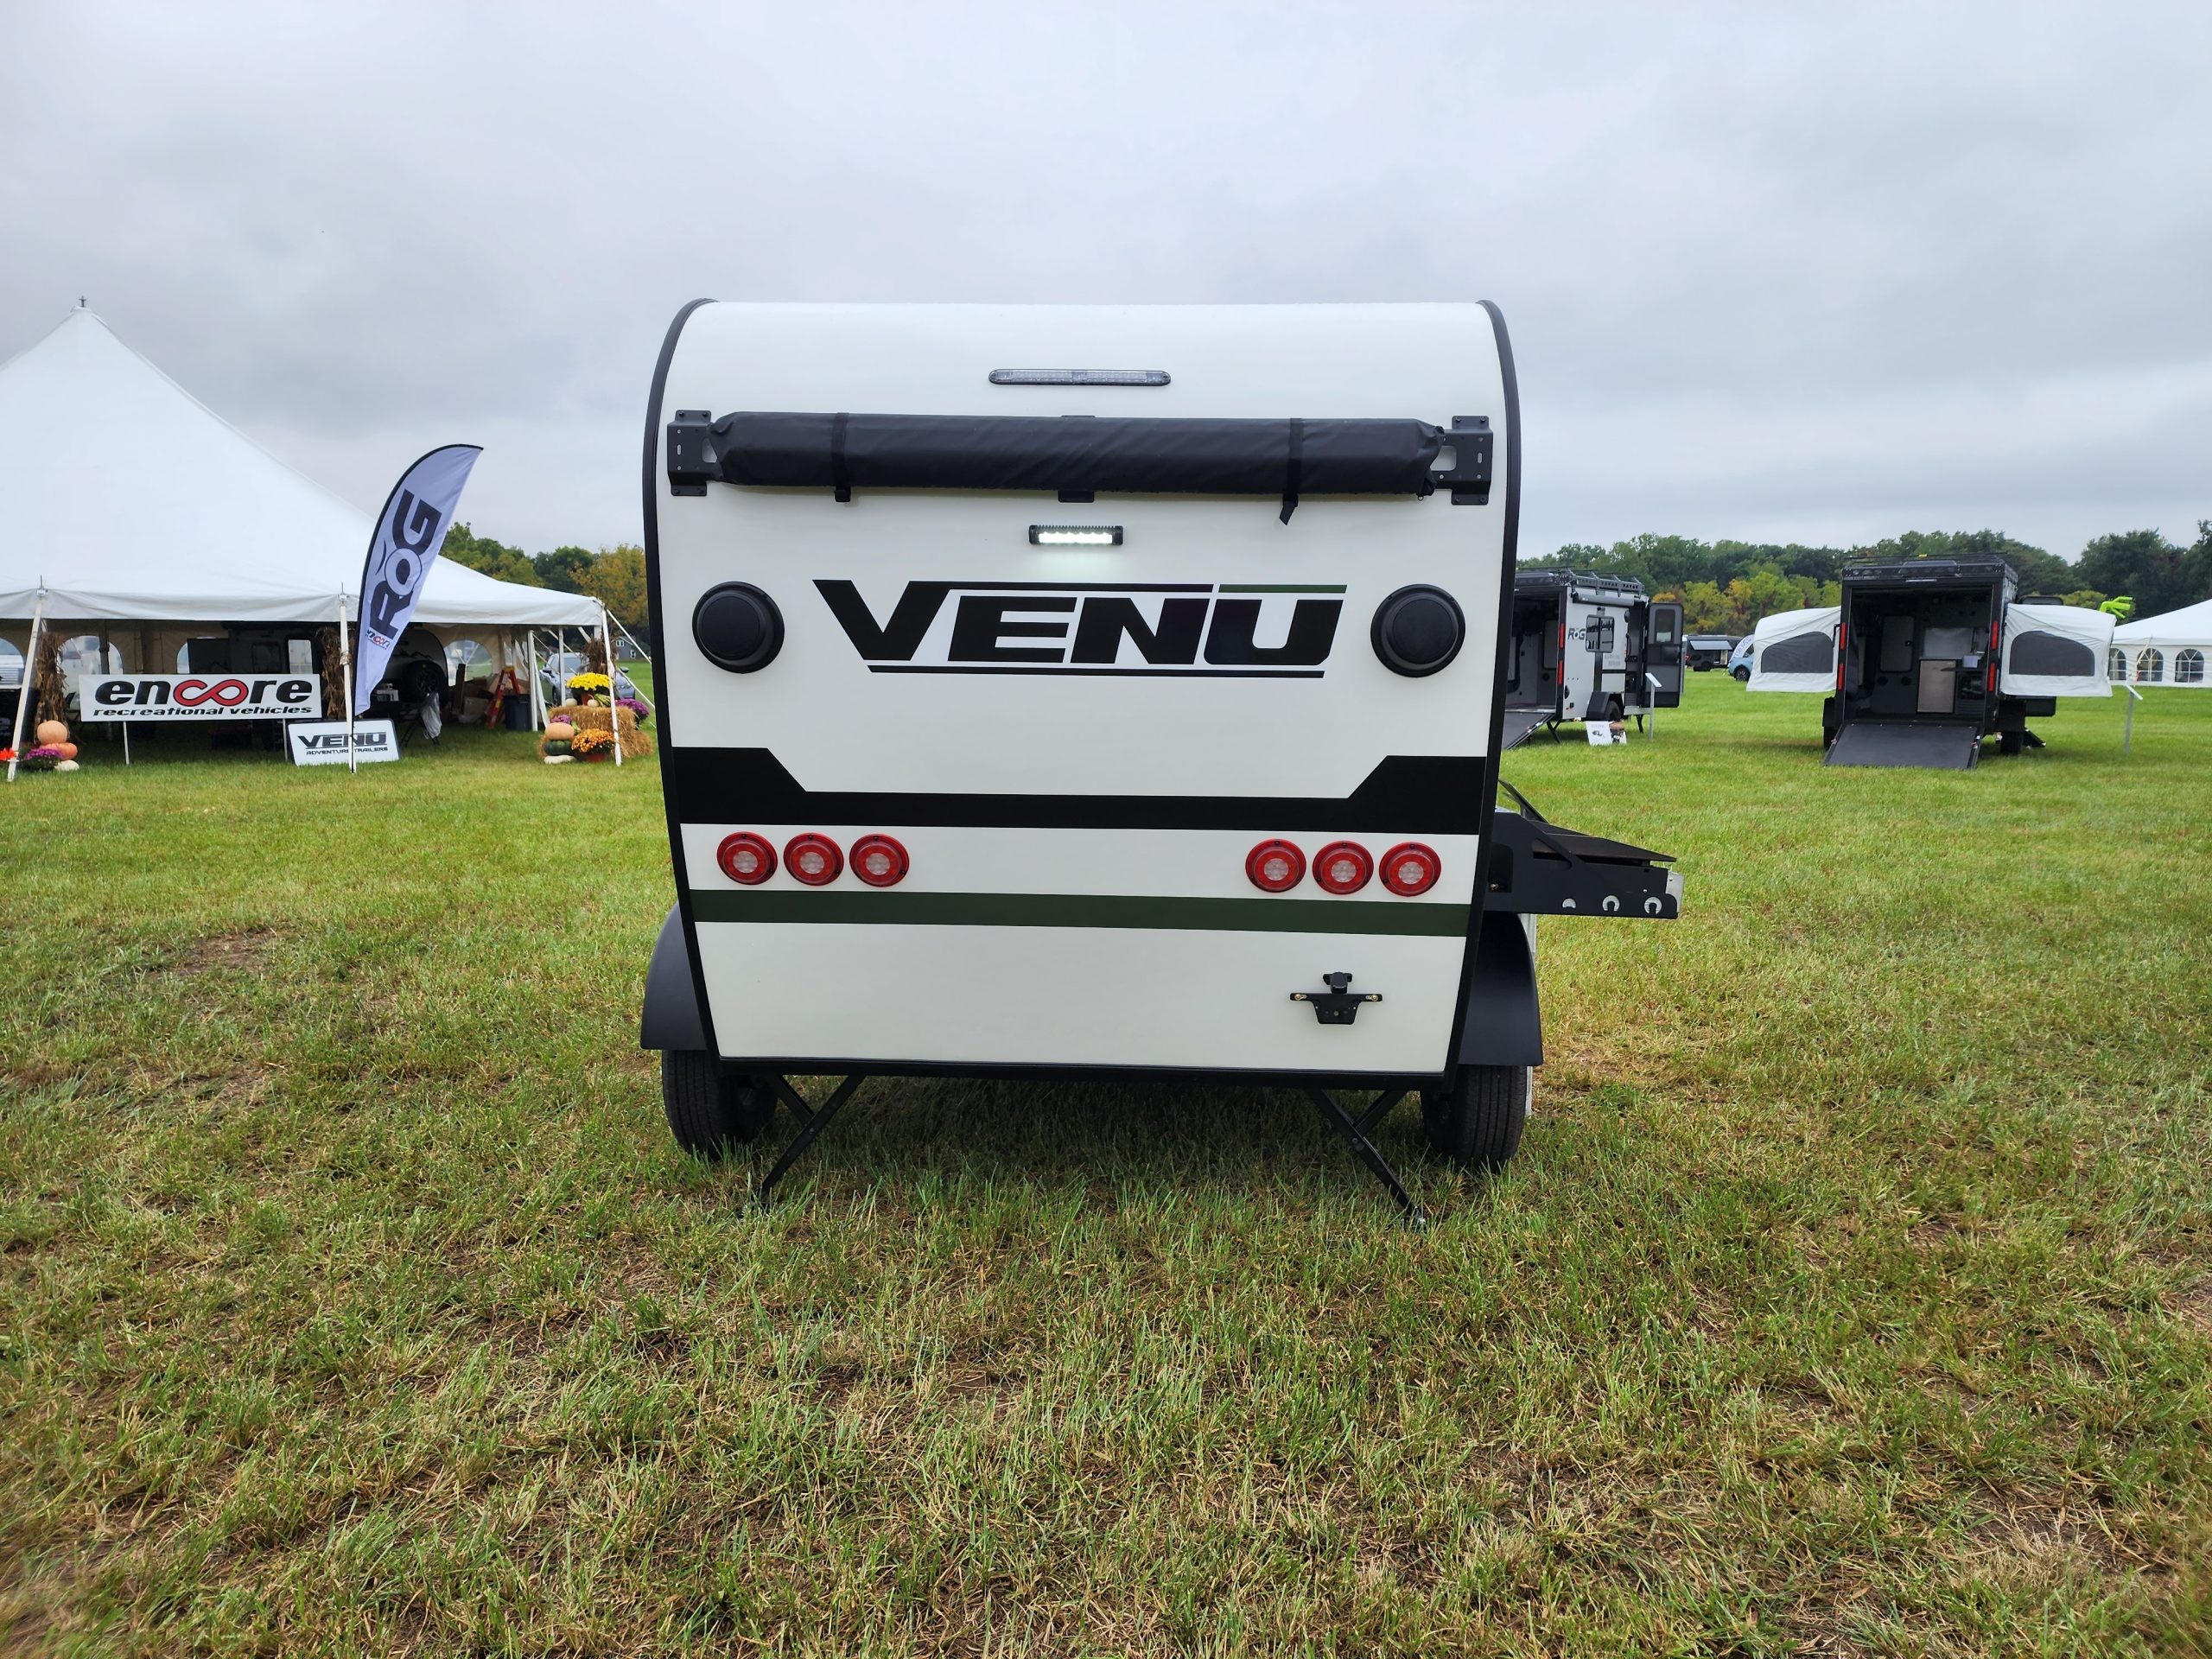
x,y
123,498
2169,649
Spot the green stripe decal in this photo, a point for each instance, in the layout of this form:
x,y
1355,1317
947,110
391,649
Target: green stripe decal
x,y
1083,910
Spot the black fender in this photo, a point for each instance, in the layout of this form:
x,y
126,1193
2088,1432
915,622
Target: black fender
x,y
671,1016
1503,1026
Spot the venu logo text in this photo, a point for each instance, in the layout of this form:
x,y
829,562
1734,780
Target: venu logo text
x,y
1068,627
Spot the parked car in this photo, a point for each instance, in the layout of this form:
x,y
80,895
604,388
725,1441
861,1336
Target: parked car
x,y
1739,660
1704,651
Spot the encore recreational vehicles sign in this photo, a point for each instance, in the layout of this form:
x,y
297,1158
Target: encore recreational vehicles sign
x,y
199,696
1116,722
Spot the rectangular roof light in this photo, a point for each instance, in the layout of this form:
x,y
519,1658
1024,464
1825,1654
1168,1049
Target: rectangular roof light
x,y
1075,535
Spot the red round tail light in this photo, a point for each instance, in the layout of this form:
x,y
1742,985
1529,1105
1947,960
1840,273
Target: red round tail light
x,y
879,860
746,859
1343,867
813,860
1410,868
1275,866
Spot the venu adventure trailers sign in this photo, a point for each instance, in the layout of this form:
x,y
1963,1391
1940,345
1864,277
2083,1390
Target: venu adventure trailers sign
x,y
199,696
324,743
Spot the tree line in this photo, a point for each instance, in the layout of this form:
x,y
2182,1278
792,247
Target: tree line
x,y
1726,586
615,576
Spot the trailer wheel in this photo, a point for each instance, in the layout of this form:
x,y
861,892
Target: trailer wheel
x,y
1740,673
710,1108
1478,1121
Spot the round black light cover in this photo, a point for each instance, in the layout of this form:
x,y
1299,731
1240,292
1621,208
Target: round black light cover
x,y
1418,630
738,627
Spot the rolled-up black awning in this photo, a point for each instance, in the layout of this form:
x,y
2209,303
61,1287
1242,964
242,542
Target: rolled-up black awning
x,y
1075,454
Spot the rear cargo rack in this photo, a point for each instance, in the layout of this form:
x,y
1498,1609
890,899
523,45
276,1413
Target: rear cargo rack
x,y
1537,868
1078,457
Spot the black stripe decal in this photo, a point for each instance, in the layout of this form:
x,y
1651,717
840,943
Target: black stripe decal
x,y
1086,910
1405,795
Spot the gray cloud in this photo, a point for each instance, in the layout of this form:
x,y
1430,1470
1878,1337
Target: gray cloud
x,y
1771,272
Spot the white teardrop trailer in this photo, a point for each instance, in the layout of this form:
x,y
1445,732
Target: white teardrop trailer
x,y
1106,692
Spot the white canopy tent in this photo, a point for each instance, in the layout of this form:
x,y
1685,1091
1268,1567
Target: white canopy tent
x,y
2169,649
124,499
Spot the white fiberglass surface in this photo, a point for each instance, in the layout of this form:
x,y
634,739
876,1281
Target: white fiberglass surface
x,y
838,723
1075,996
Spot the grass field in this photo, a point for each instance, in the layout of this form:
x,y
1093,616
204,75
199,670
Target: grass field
x,y
1852,1293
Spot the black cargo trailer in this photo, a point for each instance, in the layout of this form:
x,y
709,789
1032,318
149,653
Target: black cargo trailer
x,y
1921,659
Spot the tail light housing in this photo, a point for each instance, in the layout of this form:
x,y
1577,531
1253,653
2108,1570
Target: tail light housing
x,y
1410,868
1343,867
879,860
813,860
1275,866
745,858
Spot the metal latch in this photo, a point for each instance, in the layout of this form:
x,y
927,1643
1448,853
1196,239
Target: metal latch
x,y
1468,479
1336,1006
691,458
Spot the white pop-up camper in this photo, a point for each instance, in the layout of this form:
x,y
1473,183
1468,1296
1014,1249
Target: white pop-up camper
x,y
1923,658
1104,692
1588,647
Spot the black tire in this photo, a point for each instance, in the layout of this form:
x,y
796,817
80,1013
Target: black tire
x,y
1740,673
1614,708
1478,1121
710,1108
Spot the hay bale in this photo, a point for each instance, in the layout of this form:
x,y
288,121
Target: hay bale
x,y
595,717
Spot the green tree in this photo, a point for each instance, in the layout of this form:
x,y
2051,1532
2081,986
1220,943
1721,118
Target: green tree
x,y
616,578
2040,572
563,568
2150,570
495,559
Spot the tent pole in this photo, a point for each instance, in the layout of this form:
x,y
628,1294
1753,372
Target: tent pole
x,y
346,678
613,708
30,680
537,686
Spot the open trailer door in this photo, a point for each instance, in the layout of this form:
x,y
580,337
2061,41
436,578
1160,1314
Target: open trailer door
x,y
1664,658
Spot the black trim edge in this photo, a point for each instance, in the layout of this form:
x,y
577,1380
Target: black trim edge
x,y
1509,382
652,477
1427,794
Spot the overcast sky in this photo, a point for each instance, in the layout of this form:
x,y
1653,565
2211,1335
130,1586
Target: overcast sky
x,y
1772,272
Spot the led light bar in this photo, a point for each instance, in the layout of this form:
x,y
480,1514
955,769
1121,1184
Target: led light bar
x,y
1075,535
1078,377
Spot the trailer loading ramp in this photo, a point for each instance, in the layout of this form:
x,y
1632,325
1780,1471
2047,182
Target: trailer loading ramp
x,y
1940,745
1520,722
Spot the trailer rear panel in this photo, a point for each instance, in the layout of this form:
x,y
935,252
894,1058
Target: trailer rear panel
x,y
1076,720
